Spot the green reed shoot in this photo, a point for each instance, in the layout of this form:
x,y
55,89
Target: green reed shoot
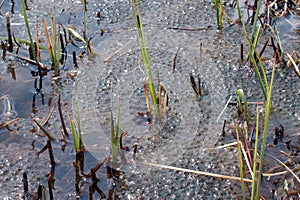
x,y
77,137
253,55
53,44
219,12
241,98
115,135
145,55
254,176
83,39
28,28
263,145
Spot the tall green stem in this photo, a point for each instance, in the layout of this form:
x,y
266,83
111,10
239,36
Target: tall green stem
x,y
266,123
145,55
28,28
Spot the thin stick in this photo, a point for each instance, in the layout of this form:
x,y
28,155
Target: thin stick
x,y
224,146
234,178
48,117
225,107
175,58
246,159
288,169
43,129
27,60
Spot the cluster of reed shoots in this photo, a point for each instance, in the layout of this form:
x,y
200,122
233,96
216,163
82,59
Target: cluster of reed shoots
x,y
156,102
54,40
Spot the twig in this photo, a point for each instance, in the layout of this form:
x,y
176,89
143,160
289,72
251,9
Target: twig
x,y
225,107
234,178
174,59
27,60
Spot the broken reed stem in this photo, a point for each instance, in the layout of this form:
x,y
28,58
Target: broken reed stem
x,y
223,129
193,84
166,100
48,117
98,166
160,99
25,182
51,156
27,60
175,58
38,54
43,129
62,119
9,35
147,97
199,86
199,172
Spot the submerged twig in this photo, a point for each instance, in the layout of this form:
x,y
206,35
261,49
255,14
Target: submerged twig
x,y
62,119
43,129
175,59
27,60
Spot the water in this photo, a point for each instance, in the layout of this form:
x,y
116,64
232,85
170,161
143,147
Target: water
x,y
184,136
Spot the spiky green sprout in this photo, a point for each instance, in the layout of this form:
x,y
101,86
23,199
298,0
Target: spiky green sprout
x,y
145,56
115,135
77,136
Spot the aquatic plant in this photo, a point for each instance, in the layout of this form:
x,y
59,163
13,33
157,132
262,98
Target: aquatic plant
x,y
28,29
256,183
77,137
241,99
145,55
219,12
115,135
53,44
83,39
253,55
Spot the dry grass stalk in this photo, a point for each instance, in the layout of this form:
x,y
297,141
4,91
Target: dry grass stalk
x,y
233,178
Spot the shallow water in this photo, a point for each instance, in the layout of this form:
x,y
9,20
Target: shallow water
x,y
192,125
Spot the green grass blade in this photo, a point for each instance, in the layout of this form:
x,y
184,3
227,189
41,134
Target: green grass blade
x,y
255,20
266,123
145,55
77,35
114,140
81,145
74,134
254,177
28,28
